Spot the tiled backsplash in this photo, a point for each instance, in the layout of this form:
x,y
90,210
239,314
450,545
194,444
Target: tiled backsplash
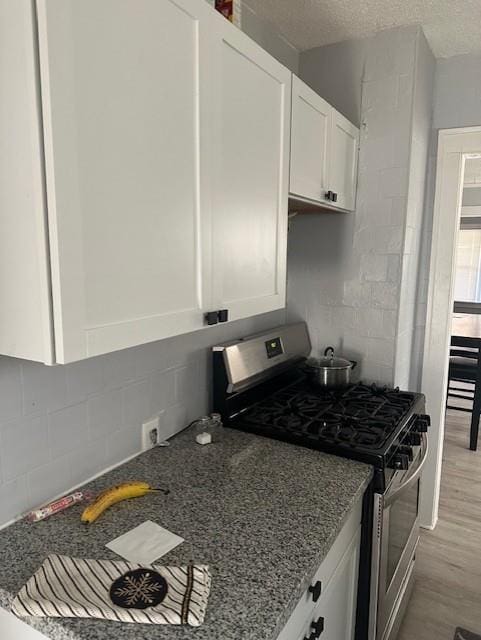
x,y
61,425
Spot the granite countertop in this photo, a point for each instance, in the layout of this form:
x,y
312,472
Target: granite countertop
x,y
262,514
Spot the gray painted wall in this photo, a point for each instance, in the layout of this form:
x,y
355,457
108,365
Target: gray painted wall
x,y
457,100
265,34
353,277
336,72
414,281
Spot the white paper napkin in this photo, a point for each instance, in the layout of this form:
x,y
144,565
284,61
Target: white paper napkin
x,y
145,543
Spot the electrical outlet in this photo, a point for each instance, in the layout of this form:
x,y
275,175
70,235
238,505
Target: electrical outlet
x,y
150,433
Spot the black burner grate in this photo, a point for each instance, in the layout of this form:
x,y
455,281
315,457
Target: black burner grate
x,y
359,416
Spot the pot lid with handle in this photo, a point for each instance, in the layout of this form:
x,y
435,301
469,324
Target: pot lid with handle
x,y
329,361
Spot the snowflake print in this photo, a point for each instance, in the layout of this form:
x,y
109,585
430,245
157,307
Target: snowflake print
x,y
141,589
138,589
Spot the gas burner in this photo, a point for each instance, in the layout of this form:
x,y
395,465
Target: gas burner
x,y
289,421
358,416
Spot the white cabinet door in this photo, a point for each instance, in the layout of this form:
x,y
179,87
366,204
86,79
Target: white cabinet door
x,y
125,87
337,606
12,628
343,153
338,578
324,150
25,320
311,121
250,168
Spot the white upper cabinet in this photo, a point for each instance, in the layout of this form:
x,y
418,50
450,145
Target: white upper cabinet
x,y
324,151
162,180
343,160
25,315
311,123
252,101
122,118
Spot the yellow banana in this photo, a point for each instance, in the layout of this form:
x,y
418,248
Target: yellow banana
x,y
113,495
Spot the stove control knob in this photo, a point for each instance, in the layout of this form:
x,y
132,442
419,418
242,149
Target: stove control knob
x,y
414,439
423,421
400,462
407,451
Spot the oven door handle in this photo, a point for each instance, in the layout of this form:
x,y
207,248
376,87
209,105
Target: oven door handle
x,y
389,498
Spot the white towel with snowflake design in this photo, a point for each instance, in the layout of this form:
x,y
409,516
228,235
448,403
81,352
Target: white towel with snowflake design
x,y
73,587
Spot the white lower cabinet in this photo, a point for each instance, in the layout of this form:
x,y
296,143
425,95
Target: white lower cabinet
x,y
327,609
337,606
146,174
12,628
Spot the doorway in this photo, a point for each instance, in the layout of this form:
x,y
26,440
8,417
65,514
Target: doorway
x,y
456,147
446,591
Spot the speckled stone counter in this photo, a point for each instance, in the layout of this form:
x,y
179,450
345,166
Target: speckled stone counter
x,y
262,514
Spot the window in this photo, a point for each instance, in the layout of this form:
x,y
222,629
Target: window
x,y
467,283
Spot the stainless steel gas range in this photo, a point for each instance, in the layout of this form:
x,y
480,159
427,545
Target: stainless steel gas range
x,y
260,386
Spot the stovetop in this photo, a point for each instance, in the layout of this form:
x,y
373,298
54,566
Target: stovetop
x,y
261,386
365,422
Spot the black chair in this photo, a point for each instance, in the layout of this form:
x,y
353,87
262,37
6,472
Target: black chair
x,y
465,367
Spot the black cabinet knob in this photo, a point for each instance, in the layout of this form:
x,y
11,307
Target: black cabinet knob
x,y
318,627
334,197
316,590
223,315
212,317
329,195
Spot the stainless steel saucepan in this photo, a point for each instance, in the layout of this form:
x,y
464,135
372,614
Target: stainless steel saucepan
x,y
330,371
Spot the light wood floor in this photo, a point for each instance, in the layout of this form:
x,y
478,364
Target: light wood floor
x,y
447,592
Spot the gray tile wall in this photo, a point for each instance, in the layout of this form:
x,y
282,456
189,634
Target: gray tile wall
x,y
414,282
355,277
61,425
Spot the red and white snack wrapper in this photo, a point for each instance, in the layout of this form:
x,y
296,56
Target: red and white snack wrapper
x,y
57,505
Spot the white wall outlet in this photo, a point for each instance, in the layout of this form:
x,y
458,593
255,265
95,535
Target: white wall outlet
x,y
150,433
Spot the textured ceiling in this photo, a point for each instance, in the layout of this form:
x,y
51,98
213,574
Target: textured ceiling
x,y
452,27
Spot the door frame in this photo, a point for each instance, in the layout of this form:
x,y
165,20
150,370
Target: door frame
x,y
454,146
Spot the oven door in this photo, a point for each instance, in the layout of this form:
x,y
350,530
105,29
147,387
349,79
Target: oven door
x,y
399,539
